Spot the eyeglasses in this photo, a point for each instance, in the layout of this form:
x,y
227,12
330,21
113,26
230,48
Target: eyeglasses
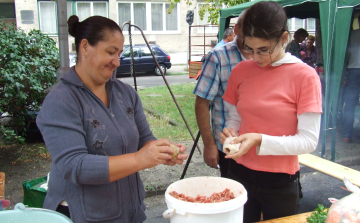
x,y
261,52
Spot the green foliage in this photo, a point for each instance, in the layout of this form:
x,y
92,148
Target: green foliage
x,y
9,136
318,215
28,64
210,6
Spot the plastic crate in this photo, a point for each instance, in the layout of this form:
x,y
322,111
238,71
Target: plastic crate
x,y
34,195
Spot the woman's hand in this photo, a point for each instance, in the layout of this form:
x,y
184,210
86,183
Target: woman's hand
x,y
159,152
179,158
227,132
247,140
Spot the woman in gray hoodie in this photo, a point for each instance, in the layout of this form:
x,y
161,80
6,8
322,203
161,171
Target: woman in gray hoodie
x,y
97,134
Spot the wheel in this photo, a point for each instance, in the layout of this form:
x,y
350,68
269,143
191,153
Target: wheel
x,y
163,68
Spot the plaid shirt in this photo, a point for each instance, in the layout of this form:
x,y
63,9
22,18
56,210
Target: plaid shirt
x,y
212,83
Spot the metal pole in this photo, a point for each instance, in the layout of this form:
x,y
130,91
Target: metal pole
x,y
167,84
188,51
190,156
63,39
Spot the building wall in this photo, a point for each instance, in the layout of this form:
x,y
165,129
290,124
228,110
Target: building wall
x,y
23,7
174,42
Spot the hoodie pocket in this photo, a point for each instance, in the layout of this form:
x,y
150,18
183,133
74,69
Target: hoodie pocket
x,y
101,202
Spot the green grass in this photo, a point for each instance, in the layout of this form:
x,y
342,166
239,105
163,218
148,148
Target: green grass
x,y
166,105
173,74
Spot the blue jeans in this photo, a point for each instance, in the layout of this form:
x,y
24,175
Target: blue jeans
x,y
351,100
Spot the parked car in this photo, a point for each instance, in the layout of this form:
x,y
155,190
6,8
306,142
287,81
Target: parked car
x,y
143,60
72,59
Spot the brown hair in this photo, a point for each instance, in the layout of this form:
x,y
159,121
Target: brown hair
x,y
93,29
311,37
266,20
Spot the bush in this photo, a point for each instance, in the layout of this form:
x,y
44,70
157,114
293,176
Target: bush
x,y
28,64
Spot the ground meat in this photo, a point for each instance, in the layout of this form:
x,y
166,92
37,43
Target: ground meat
x,y
214,198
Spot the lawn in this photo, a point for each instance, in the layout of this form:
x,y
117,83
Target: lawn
x,y
159,99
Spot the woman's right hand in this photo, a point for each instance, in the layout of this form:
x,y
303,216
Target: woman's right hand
x,y
158,152
227,132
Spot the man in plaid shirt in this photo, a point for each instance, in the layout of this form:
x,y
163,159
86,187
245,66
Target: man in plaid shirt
x,y
209,90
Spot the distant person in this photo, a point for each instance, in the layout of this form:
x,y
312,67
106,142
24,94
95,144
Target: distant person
x,y
274,112
96,131
352,86
209,90
294,46
309,51
228,36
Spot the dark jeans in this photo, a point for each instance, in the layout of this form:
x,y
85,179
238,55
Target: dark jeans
x,y
351,100
273,194
224,164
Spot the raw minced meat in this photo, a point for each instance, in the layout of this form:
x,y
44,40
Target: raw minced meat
x,y
214,198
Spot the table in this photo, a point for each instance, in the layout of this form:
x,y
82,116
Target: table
x,y
2,185
330,168
299,218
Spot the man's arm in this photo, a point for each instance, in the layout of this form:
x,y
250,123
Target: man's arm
x,y
211,154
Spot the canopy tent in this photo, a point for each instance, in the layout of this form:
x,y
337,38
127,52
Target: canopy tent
x,y
335,21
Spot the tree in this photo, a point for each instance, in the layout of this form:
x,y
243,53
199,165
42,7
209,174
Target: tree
x,y
211,6
28,64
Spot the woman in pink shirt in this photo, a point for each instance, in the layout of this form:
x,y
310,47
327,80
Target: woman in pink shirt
x,y
275,110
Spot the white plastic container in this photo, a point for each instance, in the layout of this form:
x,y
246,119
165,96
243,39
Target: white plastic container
x,y
228,211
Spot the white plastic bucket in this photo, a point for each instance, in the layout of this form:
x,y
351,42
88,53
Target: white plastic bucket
x,y
228,211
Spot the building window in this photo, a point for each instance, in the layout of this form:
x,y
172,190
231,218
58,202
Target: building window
x,y
48,12
308,24
149,16
47,17
140,12
311,24
124,13
7,10
87,9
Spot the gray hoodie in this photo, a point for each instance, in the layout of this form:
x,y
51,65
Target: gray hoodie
x,y
80,133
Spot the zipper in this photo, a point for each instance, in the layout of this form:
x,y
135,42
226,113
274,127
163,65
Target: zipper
x,y
112,115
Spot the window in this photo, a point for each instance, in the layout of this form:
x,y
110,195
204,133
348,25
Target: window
x,y
47,17
128,54
299,23
87,9
146,52
156,17
204,21
308,24
151,17
7,10
69,11
311,24
124,13
140,12
48,12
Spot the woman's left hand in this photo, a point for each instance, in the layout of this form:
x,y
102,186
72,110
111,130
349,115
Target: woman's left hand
x,y
180,157
247,140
